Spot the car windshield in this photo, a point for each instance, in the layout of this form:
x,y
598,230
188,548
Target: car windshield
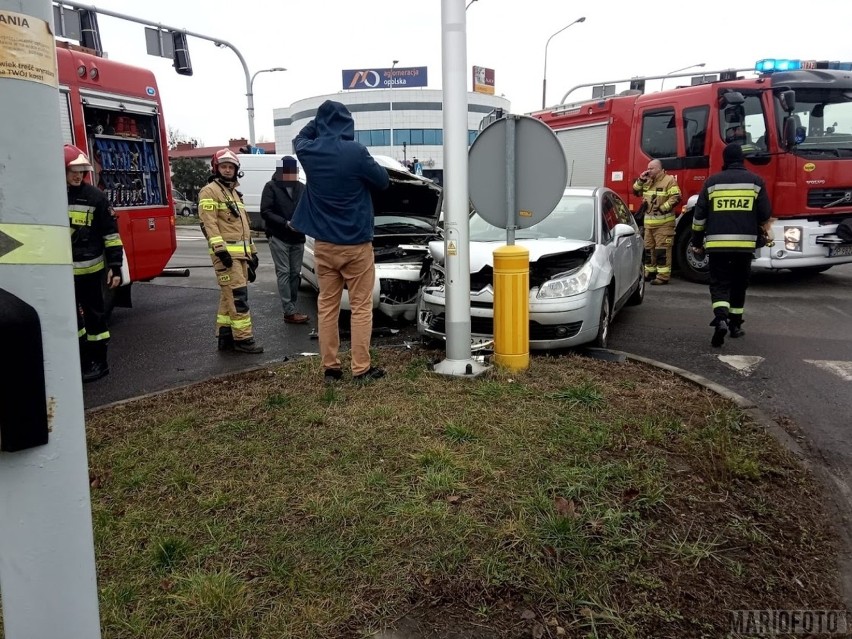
x,y
572,219
823,122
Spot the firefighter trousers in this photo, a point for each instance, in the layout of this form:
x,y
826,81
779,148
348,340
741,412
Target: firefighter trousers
x,y
729,276
233,310
92,329
658,251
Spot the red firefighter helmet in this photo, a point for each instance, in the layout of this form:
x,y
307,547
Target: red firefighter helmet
x,y
76,159
224,156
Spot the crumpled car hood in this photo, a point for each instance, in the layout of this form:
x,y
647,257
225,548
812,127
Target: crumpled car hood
x,y
482,253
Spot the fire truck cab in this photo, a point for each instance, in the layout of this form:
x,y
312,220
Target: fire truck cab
x,y
794,122
113,112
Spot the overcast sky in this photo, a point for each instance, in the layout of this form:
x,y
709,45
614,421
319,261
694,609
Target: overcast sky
x,y
316,39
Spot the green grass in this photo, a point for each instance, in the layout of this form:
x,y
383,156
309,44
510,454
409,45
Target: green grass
x,y
601,498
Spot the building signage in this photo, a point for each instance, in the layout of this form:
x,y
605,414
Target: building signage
x,y
483,80
399,77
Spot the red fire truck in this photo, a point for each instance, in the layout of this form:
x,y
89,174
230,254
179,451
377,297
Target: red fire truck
x,y
794,120
113,112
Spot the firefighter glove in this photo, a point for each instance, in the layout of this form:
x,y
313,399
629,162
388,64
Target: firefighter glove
x,y
255,261
225,258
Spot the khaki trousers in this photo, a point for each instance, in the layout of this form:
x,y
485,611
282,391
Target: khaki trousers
x,y
233,310
658,250
354,266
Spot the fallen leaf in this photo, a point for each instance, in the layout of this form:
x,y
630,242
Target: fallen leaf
x,y
550,551
566,507
538,631
95,482
527,615
552,622
629,495
560,631
453,499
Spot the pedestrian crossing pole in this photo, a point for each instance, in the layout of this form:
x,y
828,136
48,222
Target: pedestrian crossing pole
x,y
47,567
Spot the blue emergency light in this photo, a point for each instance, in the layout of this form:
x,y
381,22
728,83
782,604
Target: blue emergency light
x,y
770,65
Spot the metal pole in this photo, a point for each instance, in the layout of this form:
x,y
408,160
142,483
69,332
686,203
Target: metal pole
x,y
511,221
681,69
47,561
390,99
544,76
251,99
217,41
457,233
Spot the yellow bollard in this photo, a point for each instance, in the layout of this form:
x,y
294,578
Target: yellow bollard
x,y
512,307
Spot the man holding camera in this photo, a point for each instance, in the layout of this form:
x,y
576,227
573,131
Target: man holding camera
x,y
660,194
226,227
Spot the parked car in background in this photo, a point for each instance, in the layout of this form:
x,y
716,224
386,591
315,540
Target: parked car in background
x,y
184,206
585,264
405,222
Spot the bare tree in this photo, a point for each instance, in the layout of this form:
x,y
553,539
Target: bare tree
x,y
176,136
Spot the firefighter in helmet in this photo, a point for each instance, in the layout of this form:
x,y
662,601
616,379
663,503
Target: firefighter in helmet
x,y
226,227
97,255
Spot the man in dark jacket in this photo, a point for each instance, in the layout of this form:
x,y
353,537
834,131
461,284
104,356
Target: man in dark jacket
x,y
337,211
732,210
96,249
277,204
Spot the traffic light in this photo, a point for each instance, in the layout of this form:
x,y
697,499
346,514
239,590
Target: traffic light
x,y
180,56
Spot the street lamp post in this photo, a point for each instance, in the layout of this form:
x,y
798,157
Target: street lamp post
x,y
544,77
250,97
390,100
700,64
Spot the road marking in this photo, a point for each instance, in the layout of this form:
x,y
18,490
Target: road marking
x,y
743,364
842,369
34,244
191,239
837,310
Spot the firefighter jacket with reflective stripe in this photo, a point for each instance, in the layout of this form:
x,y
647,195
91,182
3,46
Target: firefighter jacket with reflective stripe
x,y
224,220
730,210
662,197
94,232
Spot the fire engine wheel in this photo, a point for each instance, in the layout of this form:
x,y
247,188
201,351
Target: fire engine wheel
x,y
602,338
691,267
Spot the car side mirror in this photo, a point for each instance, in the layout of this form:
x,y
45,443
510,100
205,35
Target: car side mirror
x,y
623,230
787,100
790,133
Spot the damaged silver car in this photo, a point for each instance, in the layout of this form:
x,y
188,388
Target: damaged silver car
x,y
585,265
406,216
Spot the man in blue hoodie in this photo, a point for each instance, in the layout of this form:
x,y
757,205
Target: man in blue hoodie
x,y
337,211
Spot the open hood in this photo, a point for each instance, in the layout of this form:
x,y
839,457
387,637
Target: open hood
x,y
408,196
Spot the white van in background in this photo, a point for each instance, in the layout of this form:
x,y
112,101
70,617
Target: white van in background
x,y
257,170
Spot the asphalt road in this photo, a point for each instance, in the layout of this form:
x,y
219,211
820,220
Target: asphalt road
x,y
795,361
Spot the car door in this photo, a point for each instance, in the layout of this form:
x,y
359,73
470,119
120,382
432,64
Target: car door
x,y
621,248
637,244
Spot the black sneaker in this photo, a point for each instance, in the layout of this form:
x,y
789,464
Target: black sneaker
x,y
332,375
370,374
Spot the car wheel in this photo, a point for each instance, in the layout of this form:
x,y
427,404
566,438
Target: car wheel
x,y
602,338
185,211
639,294
691,267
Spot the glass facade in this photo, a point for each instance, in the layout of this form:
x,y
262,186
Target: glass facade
x,y
427,137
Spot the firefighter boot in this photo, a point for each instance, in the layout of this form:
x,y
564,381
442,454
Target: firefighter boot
x,y
226,339
247,346
720,328
97,366
735,326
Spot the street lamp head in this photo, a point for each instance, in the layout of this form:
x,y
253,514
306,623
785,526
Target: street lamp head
x,y
583,19
396,61
277,69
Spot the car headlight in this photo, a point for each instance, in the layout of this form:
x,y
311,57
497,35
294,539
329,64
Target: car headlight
x,y
567,284
793,238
